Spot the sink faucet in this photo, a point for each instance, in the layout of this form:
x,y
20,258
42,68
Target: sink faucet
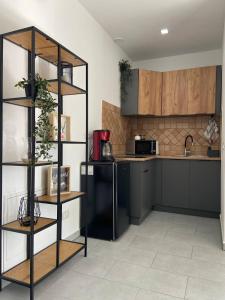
x,y
187,152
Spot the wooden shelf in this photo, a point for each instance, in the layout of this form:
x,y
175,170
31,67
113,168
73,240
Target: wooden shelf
x,y
21,101
64,198
45,47
23,164
66,88
44,263
42,224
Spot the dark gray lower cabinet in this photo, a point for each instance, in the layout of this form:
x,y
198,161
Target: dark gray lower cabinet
x,y
175,183
190,186
182,186
142,190
205,185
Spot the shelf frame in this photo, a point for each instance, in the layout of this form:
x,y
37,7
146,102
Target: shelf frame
x,y
36,42
1,145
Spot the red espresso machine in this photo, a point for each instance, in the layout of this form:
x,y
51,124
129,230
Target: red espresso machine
x,y
102,148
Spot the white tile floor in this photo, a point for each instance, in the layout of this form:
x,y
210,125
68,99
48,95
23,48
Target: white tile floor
x,y
168,257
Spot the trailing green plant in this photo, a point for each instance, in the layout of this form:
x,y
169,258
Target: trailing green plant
x,y
46,103
125,76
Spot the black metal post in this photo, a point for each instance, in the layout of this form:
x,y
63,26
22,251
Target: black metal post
x,y
86,162
59,205
1,135
29,136
32,167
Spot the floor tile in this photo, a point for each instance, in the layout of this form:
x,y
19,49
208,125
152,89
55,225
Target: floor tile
x,y
16,292
83,287
153,229
126,273
160,217
190,267
164,282
177,247
96,266
137,256
199,289
155,280
148,295
130,255
182,228
216,255
185,219
209,227
196,238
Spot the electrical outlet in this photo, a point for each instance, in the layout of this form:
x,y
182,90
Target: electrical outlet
x,y
65,214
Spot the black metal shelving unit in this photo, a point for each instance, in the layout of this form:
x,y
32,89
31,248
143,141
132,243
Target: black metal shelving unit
x,y
38,266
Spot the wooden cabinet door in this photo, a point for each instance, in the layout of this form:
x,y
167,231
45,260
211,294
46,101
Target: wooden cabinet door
x,y
201,90
150,91
174,95
189,92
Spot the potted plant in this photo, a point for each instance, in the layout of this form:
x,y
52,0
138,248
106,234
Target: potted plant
x,y
43,128
125,76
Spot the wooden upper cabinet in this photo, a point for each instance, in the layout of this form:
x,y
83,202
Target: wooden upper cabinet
x,y
174,94
189,92
201,90
143,94
150,91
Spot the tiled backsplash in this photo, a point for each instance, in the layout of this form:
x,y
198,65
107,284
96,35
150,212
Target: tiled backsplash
x,y
169,131
118,125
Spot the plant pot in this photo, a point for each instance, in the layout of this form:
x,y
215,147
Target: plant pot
x,y
28,90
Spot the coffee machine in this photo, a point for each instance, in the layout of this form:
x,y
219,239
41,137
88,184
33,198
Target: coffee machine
x,y
102,148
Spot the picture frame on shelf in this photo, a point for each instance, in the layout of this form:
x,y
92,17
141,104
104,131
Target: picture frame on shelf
x,y
53,180
65,127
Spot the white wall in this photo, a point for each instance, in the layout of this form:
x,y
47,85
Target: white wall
x,y
223,150
70,24
185,61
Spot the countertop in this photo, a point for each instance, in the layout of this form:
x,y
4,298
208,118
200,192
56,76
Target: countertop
x,y
146,158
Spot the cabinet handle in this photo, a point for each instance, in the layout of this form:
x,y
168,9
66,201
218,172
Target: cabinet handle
x,y
146,171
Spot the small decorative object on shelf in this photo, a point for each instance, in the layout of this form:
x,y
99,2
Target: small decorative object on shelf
x,y
65,127
67,72
53,180
23,216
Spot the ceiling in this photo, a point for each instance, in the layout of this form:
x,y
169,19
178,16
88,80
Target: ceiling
x,y
194,25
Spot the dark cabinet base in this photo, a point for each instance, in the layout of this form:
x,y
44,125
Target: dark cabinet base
x,y
187,211
138,221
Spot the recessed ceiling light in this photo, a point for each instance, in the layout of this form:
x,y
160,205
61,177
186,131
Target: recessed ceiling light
x,y
164,31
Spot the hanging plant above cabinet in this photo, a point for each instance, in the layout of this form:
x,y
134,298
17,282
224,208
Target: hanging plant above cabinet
x,y
125,76
46,103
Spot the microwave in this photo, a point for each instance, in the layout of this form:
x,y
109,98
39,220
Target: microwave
x,y
142,147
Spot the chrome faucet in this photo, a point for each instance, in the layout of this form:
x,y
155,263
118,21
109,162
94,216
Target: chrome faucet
x,y
187,152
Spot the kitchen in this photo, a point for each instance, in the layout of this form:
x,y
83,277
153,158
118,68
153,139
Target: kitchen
x,y
173,149
126,201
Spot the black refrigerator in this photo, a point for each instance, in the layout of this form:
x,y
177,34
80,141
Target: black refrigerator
x,y
107,200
